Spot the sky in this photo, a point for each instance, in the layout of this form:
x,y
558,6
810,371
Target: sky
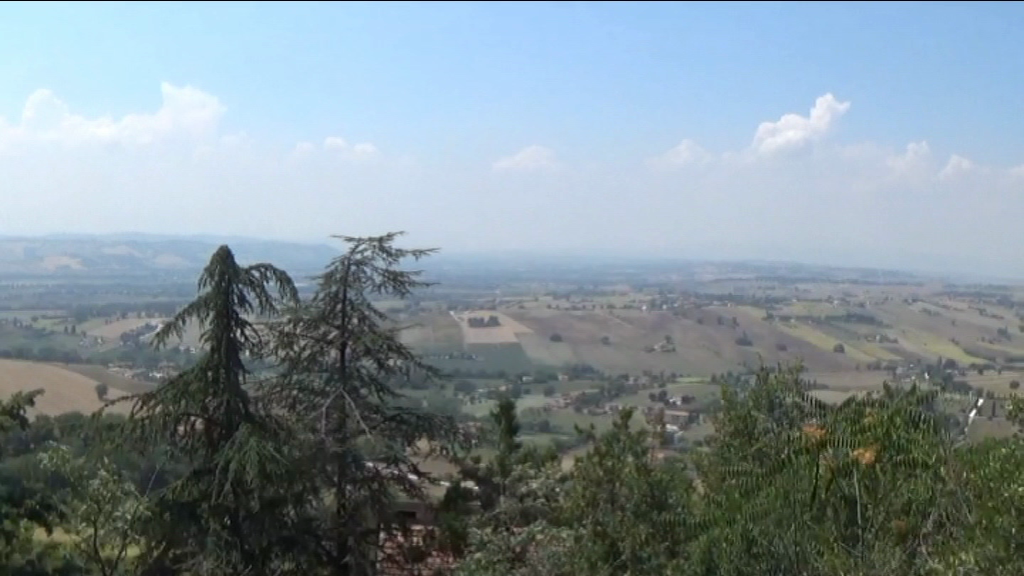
x,y
869,134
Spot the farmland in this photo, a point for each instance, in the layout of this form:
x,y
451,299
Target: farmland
x,y
63,390
633,336
696,333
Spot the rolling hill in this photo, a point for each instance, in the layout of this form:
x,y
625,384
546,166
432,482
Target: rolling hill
x,y
137,254
64,390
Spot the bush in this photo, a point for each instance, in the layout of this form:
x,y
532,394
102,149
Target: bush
x,y
556,337
1014,384
101,391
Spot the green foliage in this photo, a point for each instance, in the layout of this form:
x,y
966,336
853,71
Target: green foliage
x,y
338,356
102,509
25,509
864,486
632,509
220,515
284,449
788,485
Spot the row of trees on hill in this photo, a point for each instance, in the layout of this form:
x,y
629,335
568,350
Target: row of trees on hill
x,y
294,469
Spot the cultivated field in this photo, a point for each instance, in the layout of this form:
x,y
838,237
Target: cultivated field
x,y
100,374
116,328
64,390
506,333
435,332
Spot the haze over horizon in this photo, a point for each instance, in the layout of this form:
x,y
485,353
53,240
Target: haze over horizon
x,y
879,135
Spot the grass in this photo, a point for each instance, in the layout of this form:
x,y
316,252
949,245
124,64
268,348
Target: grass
x,y
999,384
932,345
434,333
114,330
544,352
565,420
983,428
877,351
824,341
810,309
832,396
703,393
509,357
503,334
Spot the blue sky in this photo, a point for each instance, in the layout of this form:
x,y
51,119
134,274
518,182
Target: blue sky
x,y
586,98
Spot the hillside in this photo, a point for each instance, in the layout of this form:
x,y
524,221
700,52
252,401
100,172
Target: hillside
x,y
64,390
128,255
879,328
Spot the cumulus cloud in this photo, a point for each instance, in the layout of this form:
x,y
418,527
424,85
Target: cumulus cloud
x,y
530,158
794,131
338,145
844,203
957,166
303,149
176,170
186,112
686,153
916,155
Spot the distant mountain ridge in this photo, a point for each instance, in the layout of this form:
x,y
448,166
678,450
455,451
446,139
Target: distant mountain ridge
x,y
132,254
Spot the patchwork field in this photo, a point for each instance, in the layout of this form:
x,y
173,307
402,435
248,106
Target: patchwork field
x,y
704,340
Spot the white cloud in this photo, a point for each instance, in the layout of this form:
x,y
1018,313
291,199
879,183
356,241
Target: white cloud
x,y
916,155
528,159
957,166
794,131
361,151
856,203
304,149
186,113
176,170
686,153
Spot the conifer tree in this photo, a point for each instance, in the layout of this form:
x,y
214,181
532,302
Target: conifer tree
x,y
339,355
218,518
